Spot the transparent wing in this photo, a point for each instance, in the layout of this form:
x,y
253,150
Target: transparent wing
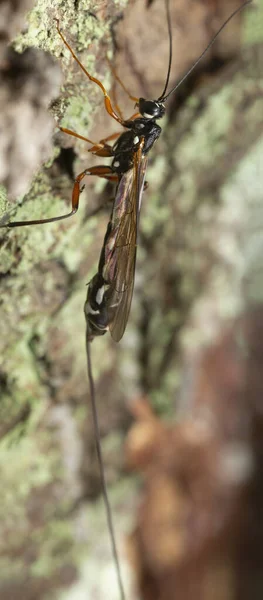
x,y
122,245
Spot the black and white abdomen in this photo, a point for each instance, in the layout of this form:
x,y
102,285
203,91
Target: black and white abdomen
x,y
95,310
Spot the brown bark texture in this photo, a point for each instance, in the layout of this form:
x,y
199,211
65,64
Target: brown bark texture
x,y
193,342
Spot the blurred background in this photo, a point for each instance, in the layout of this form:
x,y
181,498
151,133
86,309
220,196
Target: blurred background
x,y
179,398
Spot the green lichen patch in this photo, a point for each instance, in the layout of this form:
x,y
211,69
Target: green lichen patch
x,y
32,505
209,132
253,31
55,541
30,470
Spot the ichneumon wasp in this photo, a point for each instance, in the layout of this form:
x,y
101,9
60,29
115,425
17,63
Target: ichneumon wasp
x,y
110,290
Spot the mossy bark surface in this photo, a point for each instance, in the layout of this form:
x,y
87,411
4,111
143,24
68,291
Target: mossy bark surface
x,y
202,176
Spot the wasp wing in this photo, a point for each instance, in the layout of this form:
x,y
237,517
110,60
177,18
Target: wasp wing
x,y
120,251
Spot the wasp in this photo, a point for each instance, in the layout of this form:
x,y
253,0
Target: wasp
x,y
110,291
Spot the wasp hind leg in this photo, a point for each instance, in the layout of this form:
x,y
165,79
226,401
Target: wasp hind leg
x,y
99,171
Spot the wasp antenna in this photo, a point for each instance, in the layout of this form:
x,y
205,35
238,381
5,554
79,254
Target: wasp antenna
x,y
169,26
164,98
102,474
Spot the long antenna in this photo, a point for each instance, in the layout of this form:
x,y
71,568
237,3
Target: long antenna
x,y
162,97
169,26
102,474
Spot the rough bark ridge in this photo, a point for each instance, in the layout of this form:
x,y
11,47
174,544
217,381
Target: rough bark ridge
x,y
198,523
197,238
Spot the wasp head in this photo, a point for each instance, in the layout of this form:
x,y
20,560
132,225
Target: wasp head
x,y
151,109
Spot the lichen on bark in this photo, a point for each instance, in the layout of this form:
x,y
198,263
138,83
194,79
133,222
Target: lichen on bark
x,y
48,463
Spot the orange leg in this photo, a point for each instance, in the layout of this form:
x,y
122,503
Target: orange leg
x,y
116,104
107,100
115,99
134,116
116,76
100,171
77,135
113,136
100,148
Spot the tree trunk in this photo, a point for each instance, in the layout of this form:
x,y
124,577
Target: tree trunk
x,y
199,266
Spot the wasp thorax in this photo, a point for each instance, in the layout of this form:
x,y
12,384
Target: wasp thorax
x,y
151,109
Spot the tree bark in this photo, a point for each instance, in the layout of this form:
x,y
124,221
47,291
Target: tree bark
x,y
196,237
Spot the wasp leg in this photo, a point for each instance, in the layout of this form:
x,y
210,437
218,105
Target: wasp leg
x,y
77,135
107,100
99,144
116,76
100,148
99,171
134,116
